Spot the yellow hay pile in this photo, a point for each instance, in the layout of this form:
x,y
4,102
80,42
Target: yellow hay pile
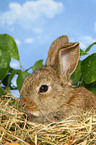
x,y
14,127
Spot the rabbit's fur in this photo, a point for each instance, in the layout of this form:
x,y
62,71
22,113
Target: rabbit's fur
x,y
47,94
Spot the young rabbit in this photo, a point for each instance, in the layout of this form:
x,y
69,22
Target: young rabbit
x,y
47,94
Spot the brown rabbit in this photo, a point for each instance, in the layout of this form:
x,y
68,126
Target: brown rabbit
x,y
47,94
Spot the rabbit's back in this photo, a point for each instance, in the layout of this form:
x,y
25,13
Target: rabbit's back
x,y
86,97
82,100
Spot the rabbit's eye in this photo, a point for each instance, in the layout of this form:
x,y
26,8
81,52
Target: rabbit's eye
x,y
43,89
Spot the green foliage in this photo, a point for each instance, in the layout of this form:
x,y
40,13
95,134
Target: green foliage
x,y
8,45
21,76
89,69
8,50
38,64
84,75
76,76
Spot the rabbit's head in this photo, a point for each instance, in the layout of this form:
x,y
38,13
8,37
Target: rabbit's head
x,y
48,88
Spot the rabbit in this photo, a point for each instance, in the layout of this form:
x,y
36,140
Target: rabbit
x,y
47,95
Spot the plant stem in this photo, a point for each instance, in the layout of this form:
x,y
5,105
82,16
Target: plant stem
x,y
21,66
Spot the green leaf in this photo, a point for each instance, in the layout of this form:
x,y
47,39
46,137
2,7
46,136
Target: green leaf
x,y
8,45
91,87
89,69
93,90
5,58
89,47
76,74
3,72
8,50
21,77
82,52
38,64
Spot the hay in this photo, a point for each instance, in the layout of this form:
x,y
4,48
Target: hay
x,y
14,127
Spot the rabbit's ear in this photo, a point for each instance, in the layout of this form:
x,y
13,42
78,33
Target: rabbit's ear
x,y
63,55
54,48
68,58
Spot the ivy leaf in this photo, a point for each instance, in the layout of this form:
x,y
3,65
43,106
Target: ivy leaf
x,y
21,77
89,69
8,45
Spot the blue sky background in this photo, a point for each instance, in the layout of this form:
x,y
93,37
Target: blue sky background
x,y
35,24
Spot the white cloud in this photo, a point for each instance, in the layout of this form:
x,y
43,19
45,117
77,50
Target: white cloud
x,y
29,40
85,41
31,13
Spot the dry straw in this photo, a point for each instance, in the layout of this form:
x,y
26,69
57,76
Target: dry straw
x,y
14,127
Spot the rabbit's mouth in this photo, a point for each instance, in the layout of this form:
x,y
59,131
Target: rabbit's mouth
x,y
33,110
30,107
35,113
